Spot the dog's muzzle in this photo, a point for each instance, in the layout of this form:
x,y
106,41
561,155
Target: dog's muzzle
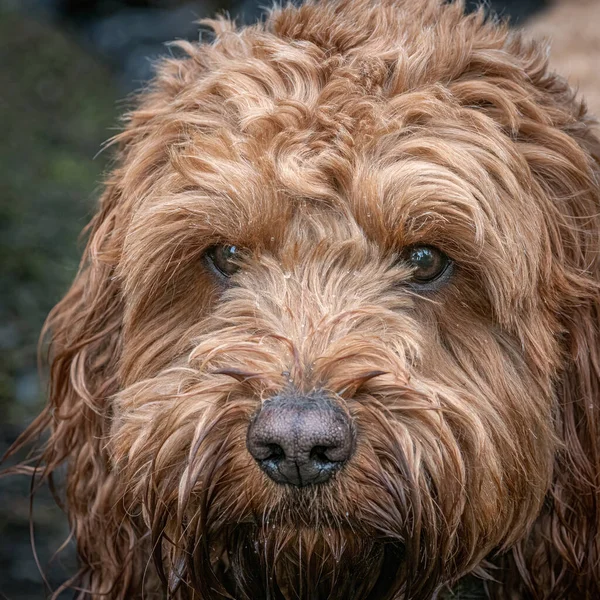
x,y
301,440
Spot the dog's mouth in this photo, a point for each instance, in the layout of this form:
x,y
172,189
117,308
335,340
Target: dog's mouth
x,y
308,564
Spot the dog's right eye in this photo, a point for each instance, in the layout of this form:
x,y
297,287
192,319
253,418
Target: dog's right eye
x,y
223,258
430,266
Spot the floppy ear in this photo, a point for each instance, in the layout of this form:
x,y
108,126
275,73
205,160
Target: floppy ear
x,y
561,558
572,526
83,330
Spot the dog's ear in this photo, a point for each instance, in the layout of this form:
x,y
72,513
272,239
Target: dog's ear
x,y
572,525
83,335
83,332
561,559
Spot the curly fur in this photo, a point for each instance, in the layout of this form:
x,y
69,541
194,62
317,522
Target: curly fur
x,y
324,141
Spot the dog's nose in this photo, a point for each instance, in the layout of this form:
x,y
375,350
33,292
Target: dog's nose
x,y
301,440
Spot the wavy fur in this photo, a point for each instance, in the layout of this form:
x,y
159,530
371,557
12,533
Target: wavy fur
x,y
324,141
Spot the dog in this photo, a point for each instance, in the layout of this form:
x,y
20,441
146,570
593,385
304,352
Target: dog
x,y
335,334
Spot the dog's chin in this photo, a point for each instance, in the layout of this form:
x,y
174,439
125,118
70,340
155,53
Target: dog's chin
x,y
284,562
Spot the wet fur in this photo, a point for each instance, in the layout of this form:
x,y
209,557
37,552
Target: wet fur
x,y
324,141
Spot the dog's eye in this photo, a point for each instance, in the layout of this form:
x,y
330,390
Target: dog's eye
x,y
224,259
429,263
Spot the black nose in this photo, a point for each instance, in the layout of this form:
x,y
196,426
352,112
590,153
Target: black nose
x,y
301,440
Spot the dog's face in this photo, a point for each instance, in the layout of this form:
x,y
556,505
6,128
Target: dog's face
x,y
336,267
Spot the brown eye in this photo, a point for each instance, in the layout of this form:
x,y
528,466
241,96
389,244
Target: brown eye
x,y
224,259
428,263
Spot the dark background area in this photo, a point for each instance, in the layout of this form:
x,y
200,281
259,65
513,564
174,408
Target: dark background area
x,y
67,68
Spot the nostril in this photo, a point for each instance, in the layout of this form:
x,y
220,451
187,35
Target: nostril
x,y
319,454
275,453
263,450
329,457
271,457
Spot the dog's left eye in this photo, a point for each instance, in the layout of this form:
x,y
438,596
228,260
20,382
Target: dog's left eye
x,y
224,259
429,264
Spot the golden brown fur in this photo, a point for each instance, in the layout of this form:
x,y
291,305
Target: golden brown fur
x,y
325,141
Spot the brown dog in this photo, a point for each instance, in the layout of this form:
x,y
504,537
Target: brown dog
x,y
336,331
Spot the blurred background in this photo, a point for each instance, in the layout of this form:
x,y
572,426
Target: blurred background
x,y
67,68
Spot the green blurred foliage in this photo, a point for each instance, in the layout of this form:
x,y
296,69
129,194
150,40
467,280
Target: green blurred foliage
x,y
57,106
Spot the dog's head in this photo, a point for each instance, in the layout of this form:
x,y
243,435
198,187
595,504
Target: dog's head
x,y
335,334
